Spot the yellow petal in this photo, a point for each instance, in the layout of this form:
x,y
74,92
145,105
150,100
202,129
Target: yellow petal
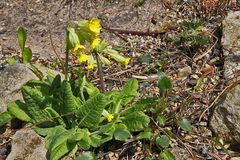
x,y
90,67
126,61
110,117
79,49
94,26
95,43
82,58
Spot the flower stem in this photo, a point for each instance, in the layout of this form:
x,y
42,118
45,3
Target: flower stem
x,y
66,64
100,73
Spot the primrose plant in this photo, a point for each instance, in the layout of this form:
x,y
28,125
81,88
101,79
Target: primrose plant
x,y
72,114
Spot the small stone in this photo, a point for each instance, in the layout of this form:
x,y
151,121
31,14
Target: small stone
x,y
184,72
235,158
203,123
27,145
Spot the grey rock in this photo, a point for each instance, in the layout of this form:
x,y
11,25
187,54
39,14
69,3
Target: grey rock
x,y
231,43
225,121
11,79
27,145
180,153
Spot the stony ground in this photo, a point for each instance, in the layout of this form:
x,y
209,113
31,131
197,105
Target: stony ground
x,y
46,20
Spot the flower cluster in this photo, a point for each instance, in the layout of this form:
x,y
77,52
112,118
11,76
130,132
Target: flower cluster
x,y
88,32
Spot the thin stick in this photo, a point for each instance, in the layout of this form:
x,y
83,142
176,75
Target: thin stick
x,y
54,50
216,99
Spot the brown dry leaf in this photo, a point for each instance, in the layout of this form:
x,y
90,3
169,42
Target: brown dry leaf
x,y
208,70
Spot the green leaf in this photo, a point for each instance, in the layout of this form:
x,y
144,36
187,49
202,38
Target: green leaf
x,y
167,155
140,105
89,114
121,133
61,150
115,55
22,36
51,133
164,83
145,135
59,139
38,115
42,131
129,91
161,119
104,60
11,60
136,121
32,96
90,88
72,38
185,125
163,141
95,140
77,136
85,142
69,101
103,45
55,116
5,117
145,58
27,55
36,71
86,156
199,84
18,112
56,84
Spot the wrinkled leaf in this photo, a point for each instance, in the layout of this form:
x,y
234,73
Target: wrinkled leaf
x,y
129,91
161,119
167,155
89,114
145,58
121,133
145,135
164,83
69,101
140,105
5,117
61,150
185,125
163,141
95,140
86,156
136,121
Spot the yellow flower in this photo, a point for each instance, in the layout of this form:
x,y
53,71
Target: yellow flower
x,y
94,26
90,67
109,117
126,61
79,49
82,58
95,43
